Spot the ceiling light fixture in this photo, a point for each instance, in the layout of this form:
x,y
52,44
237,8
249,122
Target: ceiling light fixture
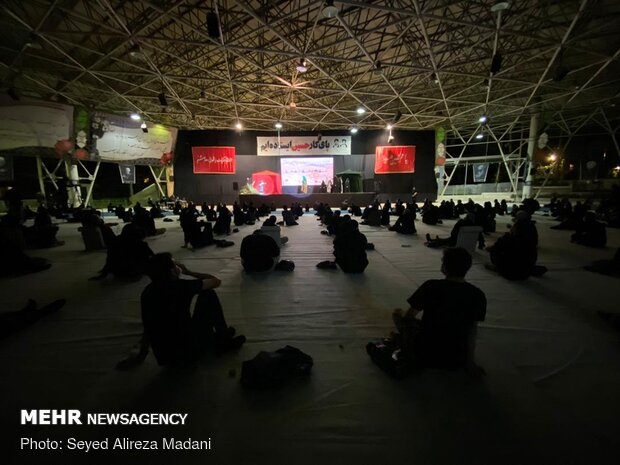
x,y
144,128
500,6
479,136
203,97
361,110
292,105
239,125
135,116
162,99
330,11
483,119
302,66
389,127
278,125
34,42
354,130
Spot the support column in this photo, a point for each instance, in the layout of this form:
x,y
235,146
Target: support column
x,y
531,147
41,177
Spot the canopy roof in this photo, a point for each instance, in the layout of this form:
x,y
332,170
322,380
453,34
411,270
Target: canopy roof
x,y
425,63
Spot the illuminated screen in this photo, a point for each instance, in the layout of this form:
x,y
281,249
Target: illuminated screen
x,y
315,169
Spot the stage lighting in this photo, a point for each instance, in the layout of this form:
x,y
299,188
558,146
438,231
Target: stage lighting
x,y
500,6
361,110
135,116
397,116
278,125
162,99
354,130
202,97
388,127
239,125
144,128
330,11
479,136
483,119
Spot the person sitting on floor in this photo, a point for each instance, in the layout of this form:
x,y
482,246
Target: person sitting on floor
x,y
431,215
385,213
176,335
288,217
143,220
372,215
405,223
514,254
468,220
222,224
95,233
12,256
590,232
127,255
271,229
445,336
42,234
349,249
259,252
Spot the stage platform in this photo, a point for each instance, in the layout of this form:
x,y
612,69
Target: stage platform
x,y
357,198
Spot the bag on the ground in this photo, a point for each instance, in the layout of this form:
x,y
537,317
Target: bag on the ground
x,y
389,357
274,369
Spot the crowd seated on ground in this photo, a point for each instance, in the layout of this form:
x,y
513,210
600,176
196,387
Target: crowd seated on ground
x,y
95,233
260,252
289,218
372,215
445,336
222,223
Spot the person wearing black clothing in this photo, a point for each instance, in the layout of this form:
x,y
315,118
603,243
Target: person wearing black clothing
x,y
222,224
514,254
405,223
431,215
590,232
454,234
350,248
451,308
385,213
176,335
127,255
259,252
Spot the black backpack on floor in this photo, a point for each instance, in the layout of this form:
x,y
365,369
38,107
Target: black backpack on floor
x,y
274,369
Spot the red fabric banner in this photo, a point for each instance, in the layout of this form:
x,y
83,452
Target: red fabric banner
x,y
214,160
395,159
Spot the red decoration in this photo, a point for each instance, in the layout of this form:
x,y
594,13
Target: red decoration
x,y
267,182
440,161
395,159
214,160
81,154
166,158
62,147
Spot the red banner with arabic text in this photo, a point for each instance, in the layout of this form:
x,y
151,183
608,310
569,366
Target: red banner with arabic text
x,y
214,160
395,159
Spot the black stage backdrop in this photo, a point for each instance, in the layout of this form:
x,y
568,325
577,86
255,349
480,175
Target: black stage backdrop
x,y
219,187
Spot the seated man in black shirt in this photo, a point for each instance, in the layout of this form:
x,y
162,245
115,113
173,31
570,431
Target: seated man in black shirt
x,y
405,223
349,249
259,252
176,335
451,307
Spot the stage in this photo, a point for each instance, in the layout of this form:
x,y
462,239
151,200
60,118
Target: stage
x,y
352,198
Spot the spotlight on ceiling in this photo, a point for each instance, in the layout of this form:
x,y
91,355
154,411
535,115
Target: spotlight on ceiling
x,y
144,128
483,119
389,127
302,66
434,78
330,11
278,125
162,100
136,53
135,116
292,105
239,125
479,136
203,97
361,110
378,69
397,116
354,130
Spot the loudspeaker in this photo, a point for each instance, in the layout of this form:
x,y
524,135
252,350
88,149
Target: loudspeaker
x,y
235,186
213,25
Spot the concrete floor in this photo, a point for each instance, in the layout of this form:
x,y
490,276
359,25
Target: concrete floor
x,y
550,394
